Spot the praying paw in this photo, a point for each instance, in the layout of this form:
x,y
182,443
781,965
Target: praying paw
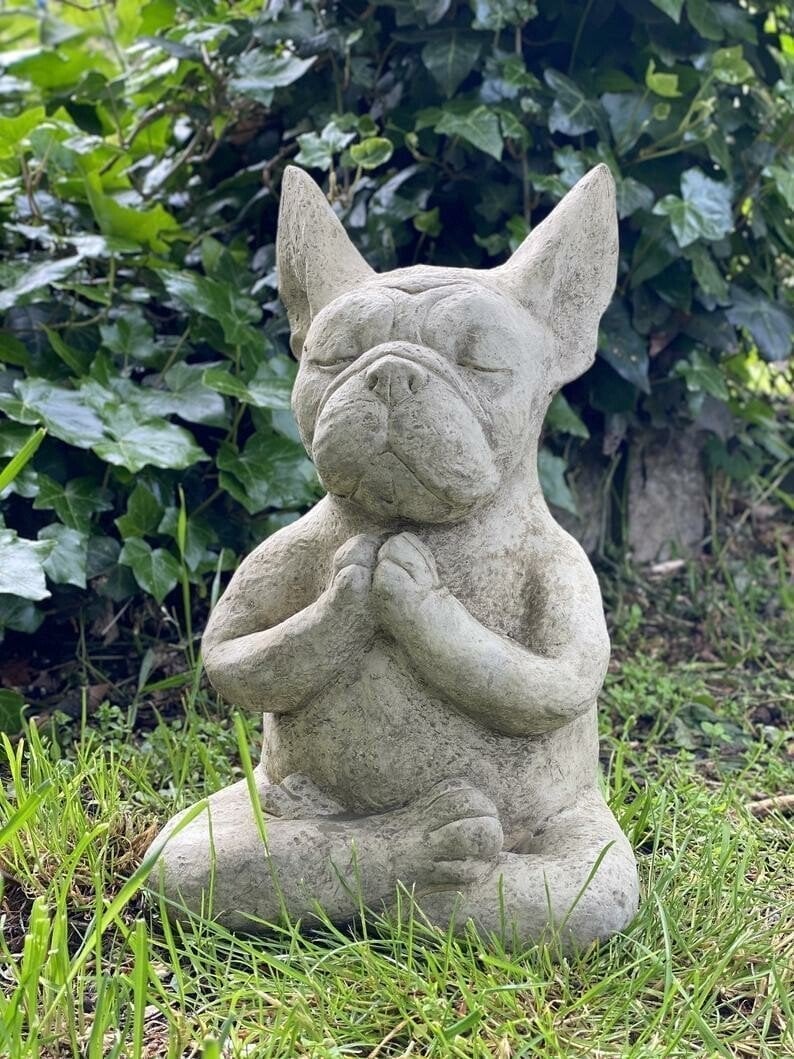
x,y
405,576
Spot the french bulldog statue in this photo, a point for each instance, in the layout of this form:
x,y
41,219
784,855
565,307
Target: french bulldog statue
x,y
426,644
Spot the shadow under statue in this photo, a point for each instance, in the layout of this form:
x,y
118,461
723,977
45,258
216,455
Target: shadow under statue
x,y
427,644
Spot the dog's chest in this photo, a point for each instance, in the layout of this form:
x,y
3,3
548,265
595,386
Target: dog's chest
x,y
374,739
379,735
379,741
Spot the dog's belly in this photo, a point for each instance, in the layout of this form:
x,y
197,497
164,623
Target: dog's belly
x,y
381,740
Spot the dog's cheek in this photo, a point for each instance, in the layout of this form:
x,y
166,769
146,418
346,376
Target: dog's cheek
x,y
349,431
306,396
516,420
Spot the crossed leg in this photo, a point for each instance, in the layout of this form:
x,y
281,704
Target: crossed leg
x,y
577,876
575,880
315,854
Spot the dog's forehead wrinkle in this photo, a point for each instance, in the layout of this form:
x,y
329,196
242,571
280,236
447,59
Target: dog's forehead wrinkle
x,y
417,304
433,291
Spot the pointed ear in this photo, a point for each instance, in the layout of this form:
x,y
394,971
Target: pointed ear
x,y
316,260
565,271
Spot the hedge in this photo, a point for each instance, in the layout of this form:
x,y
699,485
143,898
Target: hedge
x,y
141,152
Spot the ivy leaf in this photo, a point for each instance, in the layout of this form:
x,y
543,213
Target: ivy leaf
x,y
432,10
737,463
730,66
189,398
267,388
622,347
703,211
74,503
572,113
198,536
65,413
562,419
12,351
449,59
103,556
783,177
710,280
771,326
271,471
702,375
317,150
372,152
685,219
142,226
235,312
629,115
496,14
632,196
156,570
22,565
478,125
259,73
177,48
672,8
429,222
19,614
66,563
154,442
77,360
513,129
674,286
704,19
11,706
551,471
130,336
654,251
35,279
222,380
314,152
661,84
14,129
712,329
144,512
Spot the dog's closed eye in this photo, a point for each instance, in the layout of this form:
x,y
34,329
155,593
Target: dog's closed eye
x,y
479,365
485,353
334,365
331,358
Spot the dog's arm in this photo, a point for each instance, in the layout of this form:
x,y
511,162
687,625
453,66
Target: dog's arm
x,y
497,681
269,645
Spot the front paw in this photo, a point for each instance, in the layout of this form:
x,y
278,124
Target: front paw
x,y
353,565
361,550
405,577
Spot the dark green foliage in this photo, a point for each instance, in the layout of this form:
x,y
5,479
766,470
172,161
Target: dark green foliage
x,y
141,148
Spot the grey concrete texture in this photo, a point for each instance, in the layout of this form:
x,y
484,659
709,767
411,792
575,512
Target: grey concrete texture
x,y
426,644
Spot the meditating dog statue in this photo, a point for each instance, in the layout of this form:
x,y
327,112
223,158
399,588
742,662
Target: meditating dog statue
x,y
426,644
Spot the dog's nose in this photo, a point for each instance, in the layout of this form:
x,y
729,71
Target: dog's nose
x,y
395,379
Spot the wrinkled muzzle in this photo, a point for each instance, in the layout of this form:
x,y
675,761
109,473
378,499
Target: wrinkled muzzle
x,y
399,433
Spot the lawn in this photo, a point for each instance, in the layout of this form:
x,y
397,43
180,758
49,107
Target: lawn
x,y
696,723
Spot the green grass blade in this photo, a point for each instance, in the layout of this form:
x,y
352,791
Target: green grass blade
x,y
18,461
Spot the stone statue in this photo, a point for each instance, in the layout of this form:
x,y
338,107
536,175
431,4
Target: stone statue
x,y
426,644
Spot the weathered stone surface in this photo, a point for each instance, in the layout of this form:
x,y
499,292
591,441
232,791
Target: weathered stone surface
x,y
427,644
666,497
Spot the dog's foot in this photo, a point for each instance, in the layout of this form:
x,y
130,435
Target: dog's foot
x,y
455,835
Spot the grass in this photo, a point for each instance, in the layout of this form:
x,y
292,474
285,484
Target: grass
x,y
696,729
